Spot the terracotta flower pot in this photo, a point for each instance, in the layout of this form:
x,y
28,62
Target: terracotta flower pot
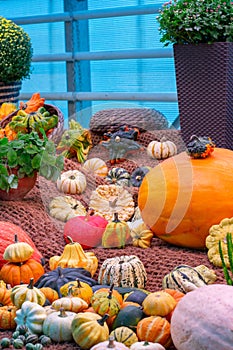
x,y
25,185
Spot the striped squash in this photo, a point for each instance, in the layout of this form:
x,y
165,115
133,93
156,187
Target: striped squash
x,y
123,271
161,149
124,335
155,329
96,166
116,234
118,176
185,278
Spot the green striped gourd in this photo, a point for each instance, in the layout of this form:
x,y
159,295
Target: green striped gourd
x,y
118,176
116,233
123,271
124,335
185,278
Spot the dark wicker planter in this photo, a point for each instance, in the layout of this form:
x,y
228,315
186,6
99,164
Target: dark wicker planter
x,y
204,77
9,92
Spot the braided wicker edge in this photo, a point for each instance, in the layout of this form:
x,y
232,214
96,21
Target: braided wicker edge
x,y
56,133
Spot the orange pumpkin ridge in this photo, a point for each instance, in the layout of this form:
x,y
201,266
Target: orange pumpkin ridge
x,y
182,197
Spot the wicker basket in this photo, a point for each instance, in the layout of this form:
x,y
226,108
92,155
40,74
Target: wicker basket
x,y
56,133
142,118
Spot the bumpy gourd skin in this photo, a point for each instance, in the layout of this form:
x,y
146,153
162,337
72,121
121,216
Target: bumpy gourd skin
x,y
34,121
75,142
181,198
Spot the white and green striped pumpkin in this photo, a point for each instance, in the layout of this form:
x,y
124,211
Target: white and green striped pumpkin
x,y
123,271
185,278
124,335
118,176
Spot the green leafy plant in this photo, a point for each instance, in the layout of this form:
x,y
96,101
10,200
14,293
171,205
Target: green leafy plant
x,y
227,273
196,21
24,156
15,52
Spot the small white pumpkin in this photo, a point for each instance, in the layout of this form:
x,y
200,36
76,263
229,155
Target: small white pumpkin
x,y
145,345
109,344
161,149
72,182
96,166
31,315
57,325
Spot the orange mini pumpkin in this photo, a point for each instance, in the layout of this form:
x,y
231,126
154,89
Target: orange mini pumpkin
x,y
155,329
7,317
182,197
17,273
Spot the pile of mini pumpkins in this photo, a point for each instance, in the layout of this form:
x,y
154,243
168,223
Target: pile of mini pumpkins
x,y
67,304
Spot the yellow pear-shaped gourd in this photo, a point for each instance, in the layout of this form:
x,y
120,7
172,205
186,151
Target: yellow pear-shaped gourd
x,y
74,256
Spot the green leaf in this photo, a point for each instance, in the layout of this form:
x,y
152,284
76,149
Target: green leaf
x,y
31,149
60,162
3,170
36,162
12,158
45,171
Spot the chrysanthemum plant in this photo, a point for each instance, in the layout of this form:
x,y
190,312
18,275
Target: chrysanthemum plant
x,y
15,52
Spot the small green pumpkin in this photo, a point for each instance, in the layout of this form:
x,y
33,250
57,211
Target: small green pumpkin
x,y
5,343
105,303
118,176
129,316
32,338
18,343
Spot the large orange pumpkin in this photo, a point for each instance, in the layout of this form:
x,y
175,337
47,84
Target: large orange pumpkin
x,y
182,197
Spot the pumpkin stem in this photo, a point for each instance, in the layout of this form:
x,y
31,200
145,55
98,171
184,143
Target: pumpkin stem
x,y
78,283
115,217
30,285
89,213
70,292
103,319
70,240
194,137
16,238
62,312
110,291
111,342
59,270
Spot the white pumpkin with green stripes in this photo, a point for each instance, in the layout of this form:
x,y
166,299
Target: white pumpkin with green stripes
x,y
123,271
